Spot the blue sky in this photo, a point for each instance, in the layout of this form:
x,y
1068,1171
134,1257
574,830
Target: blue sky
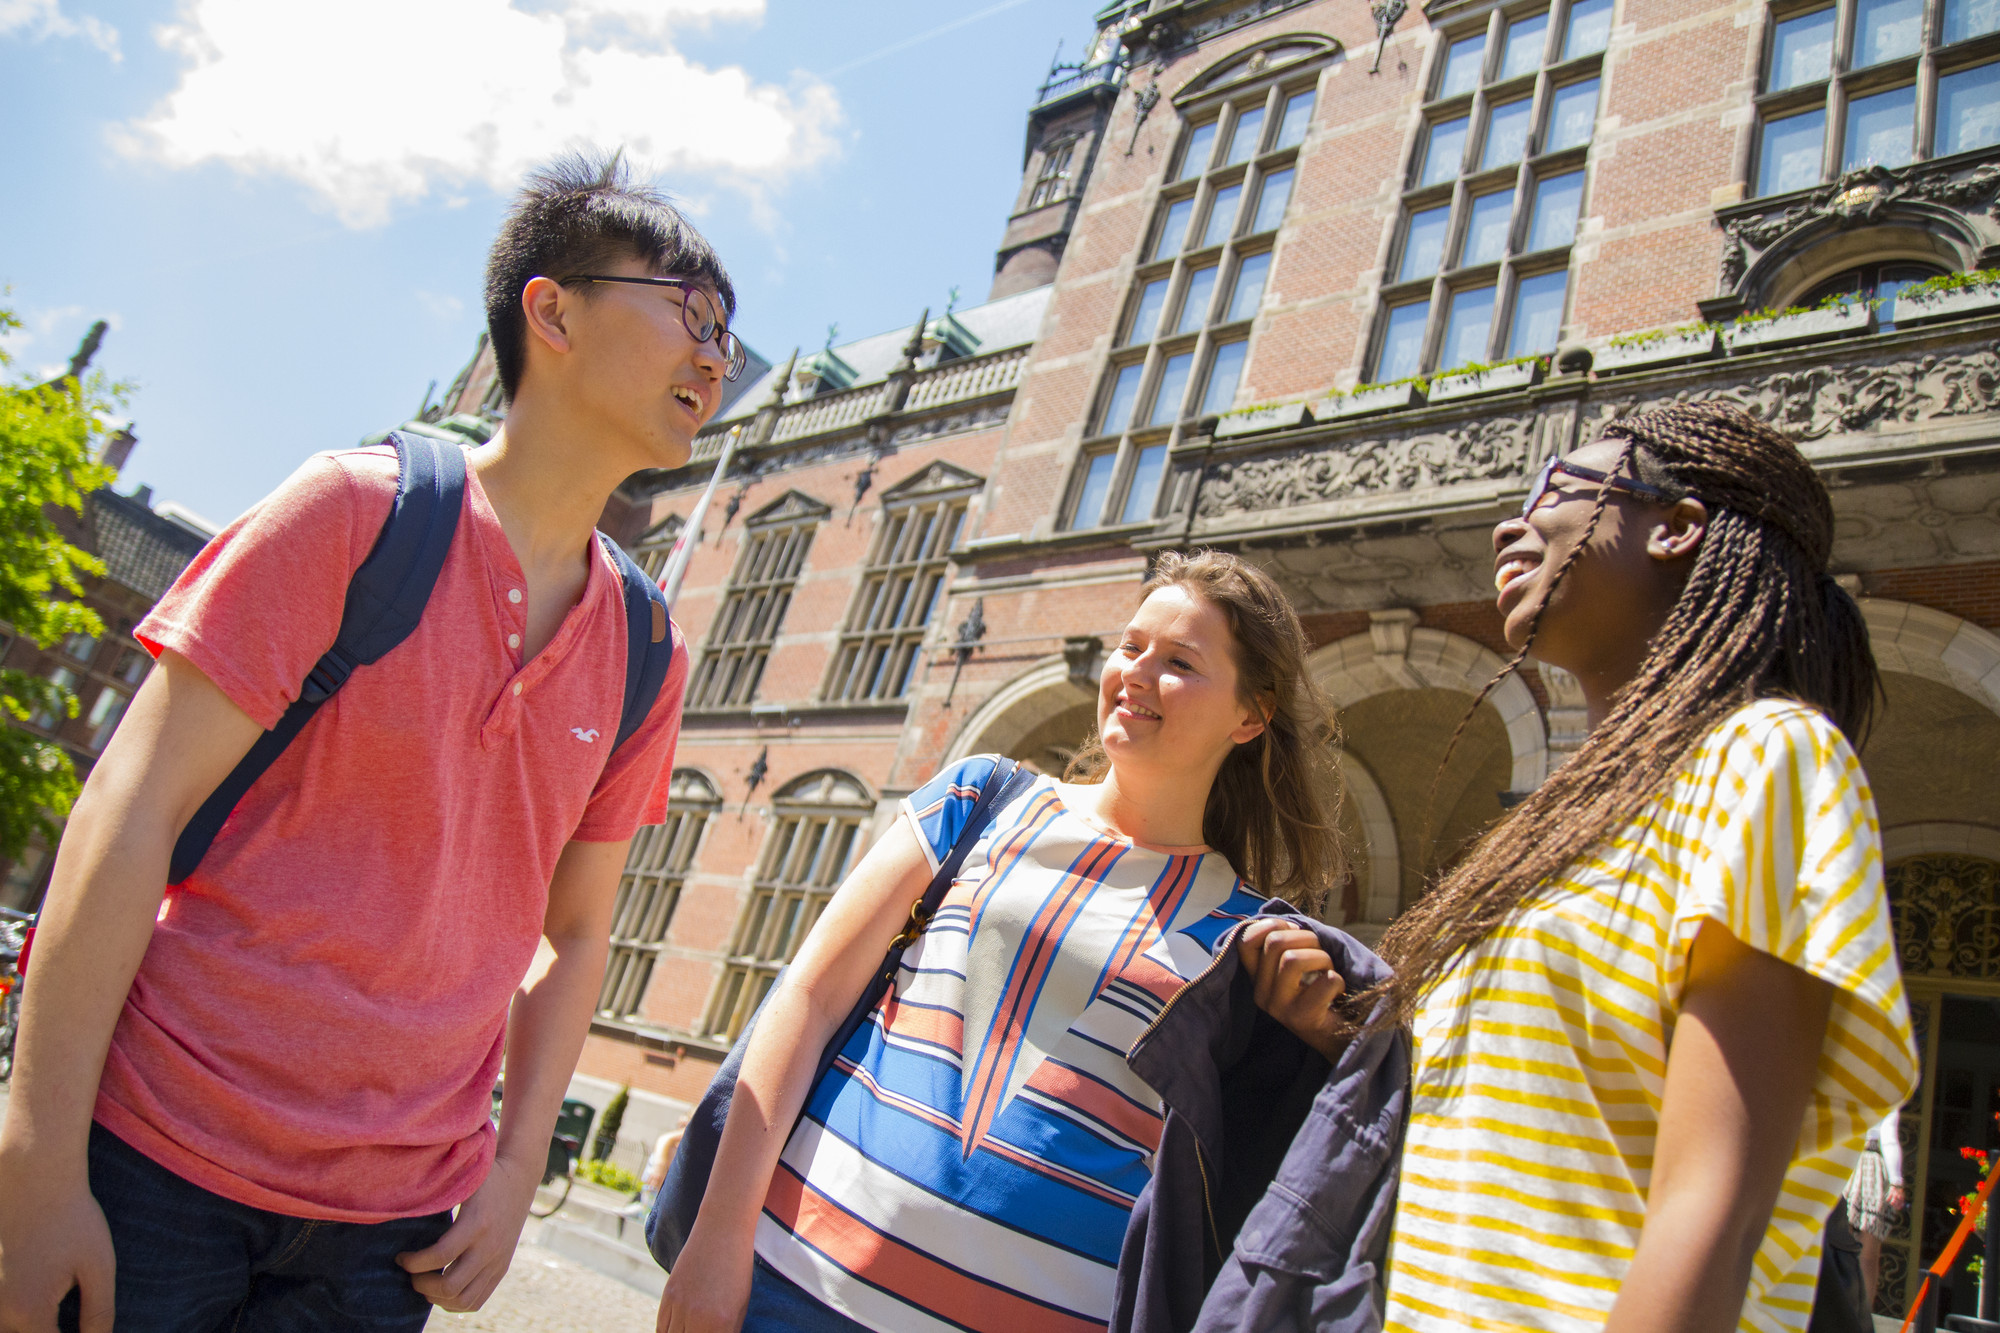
x,y
283,208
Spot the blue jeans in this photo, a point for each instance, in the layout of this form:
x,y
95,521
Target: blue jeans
x,y
194,1262
779,1305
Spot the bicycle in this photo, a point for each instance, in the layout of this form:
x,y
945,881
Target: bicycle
x,y
565,1149
14,928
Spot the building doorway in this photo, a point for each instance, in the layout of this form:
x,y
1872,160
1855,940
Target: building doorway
x,y
1947,916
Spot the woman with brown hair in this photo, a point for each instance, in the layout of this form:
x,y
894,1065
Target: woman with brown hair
x,y
1656,1009
973,1157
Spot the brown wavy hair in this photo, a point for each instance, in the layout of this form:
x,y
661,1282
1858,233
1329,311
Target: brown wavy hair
x,y
1273,809
1760,616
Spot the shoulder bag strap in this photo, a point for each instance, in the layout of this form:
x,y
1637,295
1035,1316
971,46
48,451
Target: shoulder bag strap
x,y
385,600
1001,786
649,641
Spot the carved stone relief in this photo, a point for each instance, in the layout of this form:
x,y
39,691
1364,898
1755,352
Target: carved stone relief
x,y
1817,401
1477,450
1857,198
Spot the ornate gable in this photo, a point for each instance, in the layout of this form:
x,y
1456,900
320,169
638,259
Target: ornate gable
x,y
1268,58
791,507
940,478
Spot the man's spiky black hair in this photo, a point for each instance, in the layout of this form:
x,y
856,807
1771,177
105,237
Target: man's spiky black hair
x,y
576,215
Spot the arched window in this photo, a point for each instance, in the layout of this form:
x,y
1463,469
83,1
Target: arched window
x,y
1881,283
815,840
656,868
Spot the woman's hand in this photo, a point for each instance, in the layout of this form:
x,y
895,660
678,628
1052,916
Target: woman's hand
x,y
1296,983
709,1289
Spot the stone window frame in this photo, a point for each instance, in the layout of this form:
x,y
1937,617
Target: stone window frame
x,y
754,601
1843,84
1554,73
902,586
649,891
656,547
1052,176
819,824
1138,447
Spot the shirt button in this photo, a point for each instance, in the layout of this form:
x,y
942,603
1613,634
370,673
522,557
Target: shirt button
x,y
514,596
517,687
513,641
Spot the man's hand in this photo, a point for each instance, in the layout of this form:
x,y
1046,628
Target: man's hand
x,y
52,1238
461,1270
1296,983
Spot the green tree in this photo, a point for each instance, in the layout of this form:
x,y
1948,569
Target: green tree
x,y
612,1121
48,436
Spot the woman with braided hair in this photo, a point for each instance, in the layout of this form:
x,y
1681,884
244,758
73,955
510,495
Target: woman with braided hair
x,y
1656,1009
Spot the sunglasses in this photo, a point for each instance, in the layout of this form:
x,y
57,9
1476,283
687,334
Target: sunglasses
x,y
698,316
1545,481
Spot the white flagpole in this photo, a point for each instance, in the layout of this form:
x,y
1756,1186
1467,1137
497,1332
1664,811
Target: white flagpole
x,y
677,560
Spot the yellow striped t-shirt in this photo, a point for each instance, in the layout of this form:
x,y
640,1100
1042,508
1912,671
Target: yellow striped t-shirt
x,y
1541,1059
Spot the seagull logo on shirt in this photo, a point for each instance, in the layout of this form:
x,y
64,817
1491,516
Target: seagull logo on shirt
x,y
585,736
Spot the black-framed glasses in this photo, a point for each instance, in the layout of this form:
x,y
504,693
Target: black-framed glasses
x,y
698,315
1545,479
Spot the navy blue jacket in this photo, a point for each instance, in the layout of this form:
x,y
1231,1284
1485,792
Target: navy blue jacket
x,y
1275,1181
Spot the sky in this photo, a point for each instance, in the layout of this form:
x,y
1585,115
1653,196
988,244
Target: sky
x,y
282,207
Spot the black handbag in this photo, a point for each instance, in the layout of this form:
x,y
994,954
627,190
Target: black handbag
x,y
672,1218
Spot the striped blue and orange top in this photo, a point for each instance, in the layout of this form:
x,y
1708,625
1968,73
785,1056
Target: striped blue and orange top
x,y
1541,1059
972,1158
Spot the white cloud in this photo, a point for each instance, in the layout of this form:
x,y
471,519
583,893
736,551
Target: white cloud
x,y
45,18
440,306
376,102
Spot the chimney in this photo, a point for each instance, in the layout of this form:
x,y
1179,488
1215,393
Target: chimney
x,y
144,495
117,449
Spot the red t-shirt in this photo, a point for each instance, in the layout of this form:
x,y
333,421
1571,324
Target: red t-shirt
x,y
318,1022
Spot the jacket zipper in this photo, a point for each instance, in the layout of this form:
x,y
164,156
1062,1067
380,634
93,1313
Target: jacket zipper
x,y
1227,942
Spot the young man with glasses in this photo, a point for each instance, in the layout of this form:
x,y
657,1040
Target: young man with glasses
x,y
254,1098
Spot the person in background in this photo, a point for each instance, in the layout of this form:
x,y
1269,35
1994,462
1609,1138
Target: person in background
x,y
1656,1009
1875,1194
655,1173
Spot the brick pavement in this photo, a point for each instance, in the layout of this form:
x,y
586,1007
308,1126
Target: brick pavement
x,y
546,1293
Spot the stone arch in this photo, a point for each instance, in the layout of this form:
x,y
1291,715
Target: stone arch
x,y
1397,654
1940,838
1935,645
1910,231
1017,709
1382,891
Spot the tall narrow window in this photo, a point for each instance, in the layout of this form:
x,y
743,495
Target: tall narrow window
x,y
754,601
815,839
1862,83
656,869
1052,182
1496,174
1202,280
901,587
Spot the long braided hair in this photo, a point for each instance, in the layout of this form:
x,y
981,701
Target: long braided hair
x,y
1759,616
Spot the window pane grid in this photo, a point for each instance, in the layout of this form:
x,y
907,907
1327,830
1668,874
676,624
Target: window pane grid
x,y
892,610
656,869
1496,174
1207,267
1865,83
753,607
806,857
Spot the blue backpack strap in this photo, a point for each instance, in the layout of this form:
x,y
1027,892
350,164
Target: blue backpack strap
x,y
649,640
385,600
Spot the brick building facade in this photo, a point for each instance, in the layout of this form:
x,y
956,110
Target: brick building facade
x,y
1325,287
